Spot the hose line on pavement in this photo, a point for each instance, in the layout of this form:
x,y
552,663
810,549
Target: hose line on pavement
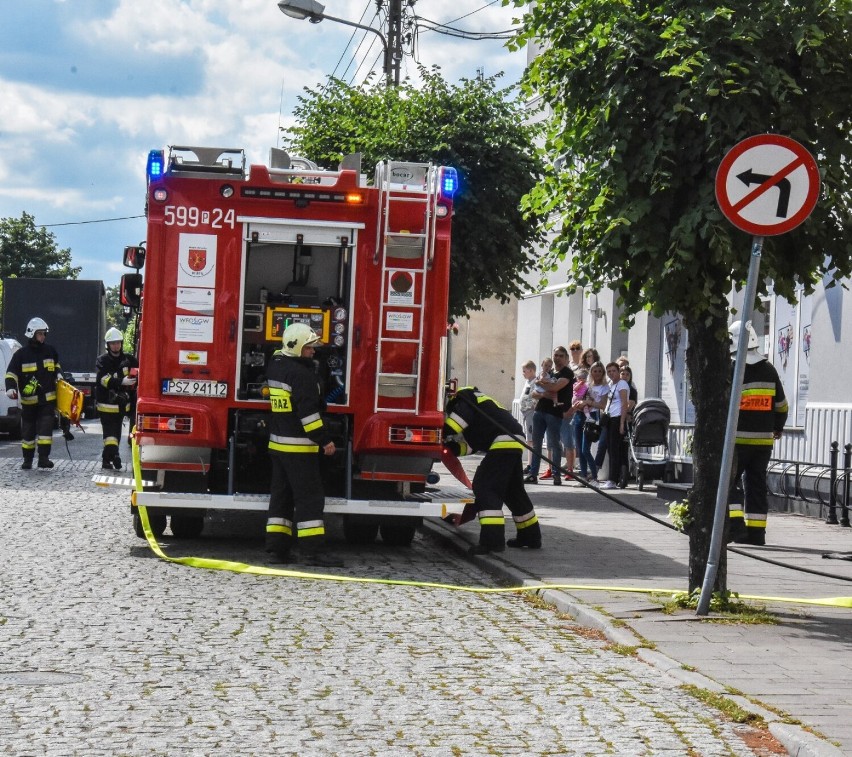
x,y
660,521
260,570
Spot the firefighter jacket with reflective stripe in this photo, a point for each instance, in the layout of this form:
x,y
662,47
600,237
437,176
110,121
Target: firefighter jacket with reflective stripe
x,y
296,403
477,423
763,406
110,395
33,371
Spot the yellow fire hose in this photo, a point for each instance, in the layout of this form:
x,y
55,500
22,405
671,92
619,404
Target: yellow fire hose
x,y
259,570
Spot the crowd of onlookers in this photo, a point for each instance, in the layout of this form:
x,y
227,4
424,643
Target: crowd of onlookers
x,y
582,407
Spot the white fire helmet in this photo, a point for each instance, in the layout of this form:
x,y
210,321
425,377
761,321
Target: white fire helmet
x,y
113,335
35,324
296,336
734,331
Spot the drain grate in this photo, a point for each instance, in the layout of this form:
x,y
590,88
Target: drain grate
x,y
37,678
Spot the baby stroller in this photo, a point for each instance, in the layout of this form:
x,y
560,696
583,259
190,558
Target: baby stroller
x,y
648,440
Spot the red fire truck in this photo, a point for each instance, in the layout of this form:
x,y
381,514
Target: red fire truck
x,y
233,255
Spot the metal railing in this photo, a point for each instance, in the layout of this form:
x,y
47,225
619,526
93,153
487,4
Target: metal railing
x,y
816,483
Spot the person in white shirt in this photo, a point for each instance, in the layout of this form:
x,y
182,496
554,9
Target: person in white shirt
x,y
594,403
617,408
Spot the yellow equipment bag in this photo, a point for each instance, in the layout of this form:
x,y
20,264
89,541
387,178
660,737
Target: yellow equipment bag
x,y
69,401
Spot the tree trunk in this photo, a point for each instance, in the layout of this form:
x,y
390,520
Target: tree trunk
x,y
708,363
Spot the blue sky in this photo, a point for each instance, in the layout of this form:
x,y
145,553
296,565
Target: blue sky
x,y
88,87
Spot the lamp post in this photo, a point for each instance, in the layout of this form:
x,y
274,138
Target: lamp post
x,y
315,12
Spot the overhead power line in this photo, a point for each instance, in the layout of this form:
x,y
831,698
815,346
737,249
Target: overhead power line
x,y
446,28
348,43
451,31
467,15
80,223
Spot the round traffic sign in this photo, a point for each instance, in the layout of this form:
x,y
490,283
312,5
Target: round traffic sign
x,y
767,184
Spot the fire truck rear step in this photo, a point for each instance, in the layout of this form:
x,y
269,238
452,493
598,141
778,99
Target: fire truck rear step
x,y
435,503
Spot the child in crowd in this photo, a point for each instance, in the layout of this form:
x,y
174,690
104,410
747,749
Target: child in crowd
x,y
581,412
527,404
539,391
580,390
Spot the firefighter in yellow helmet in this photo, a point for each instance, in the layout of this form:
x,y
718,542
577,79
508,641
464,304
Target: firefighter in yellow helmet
x,y
297,436
474,422
115,394
31,376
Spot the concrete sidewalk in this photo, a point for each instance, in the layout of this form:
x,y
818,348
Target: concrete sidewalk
x,y
801,667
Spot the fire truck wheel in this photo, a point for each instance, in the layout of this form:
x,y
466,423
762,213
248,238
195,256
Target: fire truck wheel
x,y
187,526
156,520
357,531
396,535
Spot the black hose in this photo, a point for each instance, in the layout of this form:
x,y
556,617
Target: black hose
x,y
654,518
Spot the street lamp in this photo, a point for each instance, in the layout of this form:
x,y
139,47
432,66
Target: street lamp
x,y
315,12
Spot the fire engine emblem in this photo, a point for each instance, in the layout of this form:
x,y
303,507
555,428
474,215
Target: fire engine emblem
x,y
197,258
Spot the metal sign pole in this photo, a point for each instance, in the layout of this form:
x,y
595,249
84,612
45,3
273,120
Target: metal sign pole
x,y
721,513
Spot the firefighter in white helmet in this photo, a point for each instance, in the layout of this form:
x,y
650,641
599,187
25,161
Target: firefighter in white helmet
x,y
763,413
31,376
115,394
296,439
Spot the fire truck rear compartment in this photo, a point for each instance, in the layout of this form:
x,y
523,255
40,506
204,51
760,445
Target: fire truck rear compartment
x,y
295,274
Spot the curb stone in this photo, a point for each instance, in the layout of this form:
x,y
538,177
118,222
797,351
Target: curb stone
x,y
796,740
799,743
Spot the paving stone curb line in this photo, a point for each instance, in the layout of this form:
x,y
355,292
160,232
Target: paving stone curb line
x,y
796,740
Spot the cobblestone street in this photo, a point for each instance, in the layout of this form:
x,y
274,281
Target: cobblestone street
x,y
105,649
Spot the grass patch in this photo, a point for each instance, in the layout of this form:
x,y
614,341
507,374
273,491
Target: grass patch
x,y
623,649
727,604
727,706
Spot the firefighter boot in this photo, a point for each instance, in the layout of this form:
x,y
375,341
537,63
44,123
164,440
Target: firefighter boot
x,y
492,538
315,555
737,531
106,463
278,545
283,557
529,537
322,560
28,460
755,536
485,549
116,462
44,462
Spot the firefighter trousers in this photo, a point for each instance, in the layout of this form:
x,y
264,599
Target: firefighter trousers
x,y
37,430
499,479
111,424
296,503
748,500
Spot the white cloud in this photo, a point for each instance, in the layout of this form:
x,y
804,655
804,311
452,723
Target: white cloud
x,y
81,113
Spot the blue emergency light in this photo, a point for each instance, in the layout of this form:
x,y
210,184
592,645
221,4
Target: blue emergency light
x,y
156,162
449,182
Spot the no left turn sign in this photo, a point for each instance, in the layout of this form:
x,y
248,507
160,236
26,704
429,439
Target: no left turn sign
x,y
767,184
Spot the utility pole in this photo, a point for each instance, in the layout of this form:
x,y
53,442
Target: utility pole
x,y
393,50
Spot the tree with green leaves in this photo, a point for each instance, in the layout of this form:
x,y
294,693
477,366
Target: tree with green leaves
x,y
647,97
473,126
115,317
30,252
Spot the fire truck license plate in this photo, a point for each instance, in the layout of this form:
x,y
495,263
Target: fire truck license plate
x,y
192,388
